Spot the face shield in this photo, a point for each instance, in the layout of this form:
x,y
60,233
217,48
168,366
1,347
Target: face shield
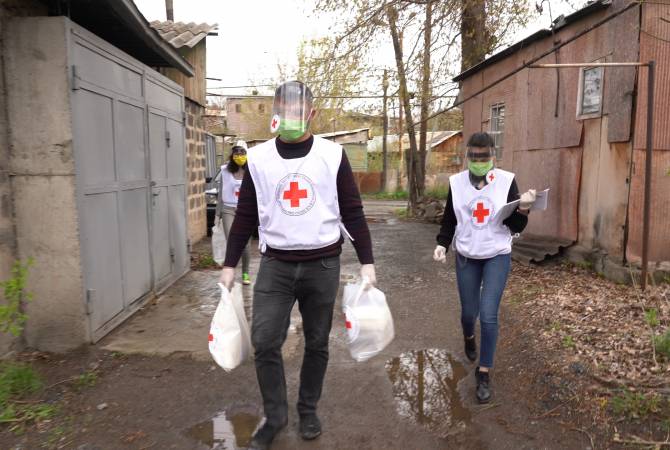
x,y
479,160
291,110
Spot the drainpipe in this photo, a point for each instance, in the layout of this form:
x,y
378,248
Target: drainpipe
x,y
169,10
647,172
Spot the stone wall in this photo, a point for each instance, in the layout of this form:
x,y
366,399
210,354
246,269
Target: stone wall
x,y
195,171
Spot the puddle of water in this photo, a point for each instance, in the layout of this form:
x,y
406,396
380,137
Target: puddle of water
x,y
425,390
228,430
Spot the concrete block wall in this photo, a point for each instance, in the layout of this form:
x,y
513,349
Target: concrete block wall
x,y
195,171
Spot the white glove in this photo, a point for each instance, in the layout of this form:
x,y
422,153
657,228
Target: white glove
x,y
227,277
368,271
440,254
527,199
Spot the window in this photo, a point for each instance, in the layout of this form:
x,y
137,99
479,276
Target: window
x,y
590,92
261,108
497,127
238,108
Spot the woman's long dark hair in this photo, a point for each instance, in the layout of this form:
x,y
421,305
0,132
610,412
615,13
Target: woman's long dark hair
x,y
232,165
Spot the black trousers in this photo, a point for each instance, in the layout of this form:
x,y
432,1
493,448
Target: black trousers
x,y
279,284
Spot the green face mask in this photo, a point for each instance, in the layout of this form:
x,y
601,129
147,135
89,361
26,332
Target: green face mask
x,y
480,168
292,130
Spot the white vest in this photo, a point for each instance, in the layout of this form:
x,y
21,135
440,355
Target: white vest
x,y
297,198
230,188
477,235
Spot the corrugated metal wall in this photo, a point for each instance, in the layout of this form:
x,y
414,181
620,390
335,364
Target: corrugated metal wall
x,y
654,45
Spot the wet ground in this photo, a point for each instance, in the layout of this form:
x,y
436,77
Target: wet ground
x,y
162,390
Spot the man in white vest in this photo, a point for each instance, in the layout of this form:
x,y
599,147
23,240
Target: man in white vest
x,y
299,190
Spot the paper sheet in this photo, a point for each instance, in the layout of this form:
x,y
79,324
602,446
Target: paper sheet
x,y
506,211
541,200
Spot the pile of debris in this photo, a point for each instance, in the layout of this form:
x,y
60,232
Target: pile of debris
x,y
430,210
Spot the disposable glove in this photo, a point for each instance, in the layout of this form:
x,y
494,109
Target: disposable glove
x,y
368,271
527,199
227,277
440,254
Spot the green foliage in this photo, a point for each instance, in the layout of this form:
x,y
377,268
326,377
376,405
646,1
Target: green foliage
x,y
636,405
568,342
662,344
401,212
651,317
17,380
397,195
439,192
86,379
12,319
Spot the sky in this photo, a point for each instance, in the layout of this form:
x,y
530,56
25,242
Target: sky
x,y
254,38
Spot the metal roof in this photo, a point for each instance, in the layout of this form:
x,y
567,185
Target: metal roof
x,y
559,22
120,23
180,34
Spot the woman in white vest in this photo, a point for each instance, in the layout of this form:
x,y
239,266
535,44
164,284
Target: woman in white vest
x,y
229,183
482,243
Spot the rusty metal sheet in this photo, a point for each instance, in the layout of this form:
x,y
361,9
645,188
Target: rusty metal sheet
x,y
620,81
659,237
655,45
561,171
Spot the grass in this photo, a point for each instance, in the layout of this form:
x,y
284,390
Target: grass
x,y
401,212
568,342
662,344
651,317
205,261
86,379
440,192
636,405
397,195
16,382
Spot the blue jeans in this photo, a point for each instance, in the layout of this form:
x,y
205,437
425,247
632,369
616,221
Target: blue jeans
x,y
481,283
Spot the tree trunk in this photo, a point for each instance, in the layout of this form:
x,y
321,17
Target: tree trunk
x,y
475,38
404,97
425,101
385,86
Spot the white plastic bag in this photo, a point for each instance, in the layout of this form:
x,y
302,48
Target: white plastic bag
x,y
218,242
229,338
368,320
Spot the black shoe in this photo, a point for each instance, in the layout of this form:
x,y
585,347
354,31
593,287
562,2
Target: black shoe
x,y
483,388
470,348
310,427
264,436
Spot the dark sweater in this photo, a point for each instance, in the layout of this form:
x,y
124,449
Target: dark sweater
x,y
516,222
351,210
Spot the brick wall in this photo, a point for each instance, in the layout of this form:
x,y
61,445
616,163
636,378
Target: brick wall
x,y
195,171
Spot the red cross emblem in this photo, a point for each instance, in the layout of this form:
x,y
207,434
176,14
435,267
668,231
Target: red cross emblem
x,y
274,125
294,194
237,194
480,213
491,176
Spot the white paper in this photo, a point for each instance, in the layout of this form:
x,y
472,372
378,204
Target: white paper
x,y
541,199
506,211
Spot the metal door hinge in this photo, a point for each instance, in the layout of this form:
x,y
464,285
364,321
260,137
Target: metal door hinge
x,y
172,256
75,78
167,139
183,117
90,297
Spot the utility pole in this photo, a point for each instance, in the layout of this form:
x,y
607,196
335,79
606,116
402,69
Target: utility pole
x,y
385,86
169,10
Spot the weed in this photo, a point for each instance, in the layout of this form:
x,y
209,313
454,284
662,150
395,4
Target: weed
x,y
662,344
86,379
651,317
401,212
16,381
568,342
397,195
12,319
555,326
636,405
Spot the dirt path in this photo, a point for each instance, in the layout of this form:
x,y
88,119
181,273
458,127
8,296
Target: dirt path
x,y
417,395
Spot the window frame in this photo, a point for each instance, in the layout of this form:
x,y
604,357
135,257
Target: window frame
x,y
497,134
580,93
